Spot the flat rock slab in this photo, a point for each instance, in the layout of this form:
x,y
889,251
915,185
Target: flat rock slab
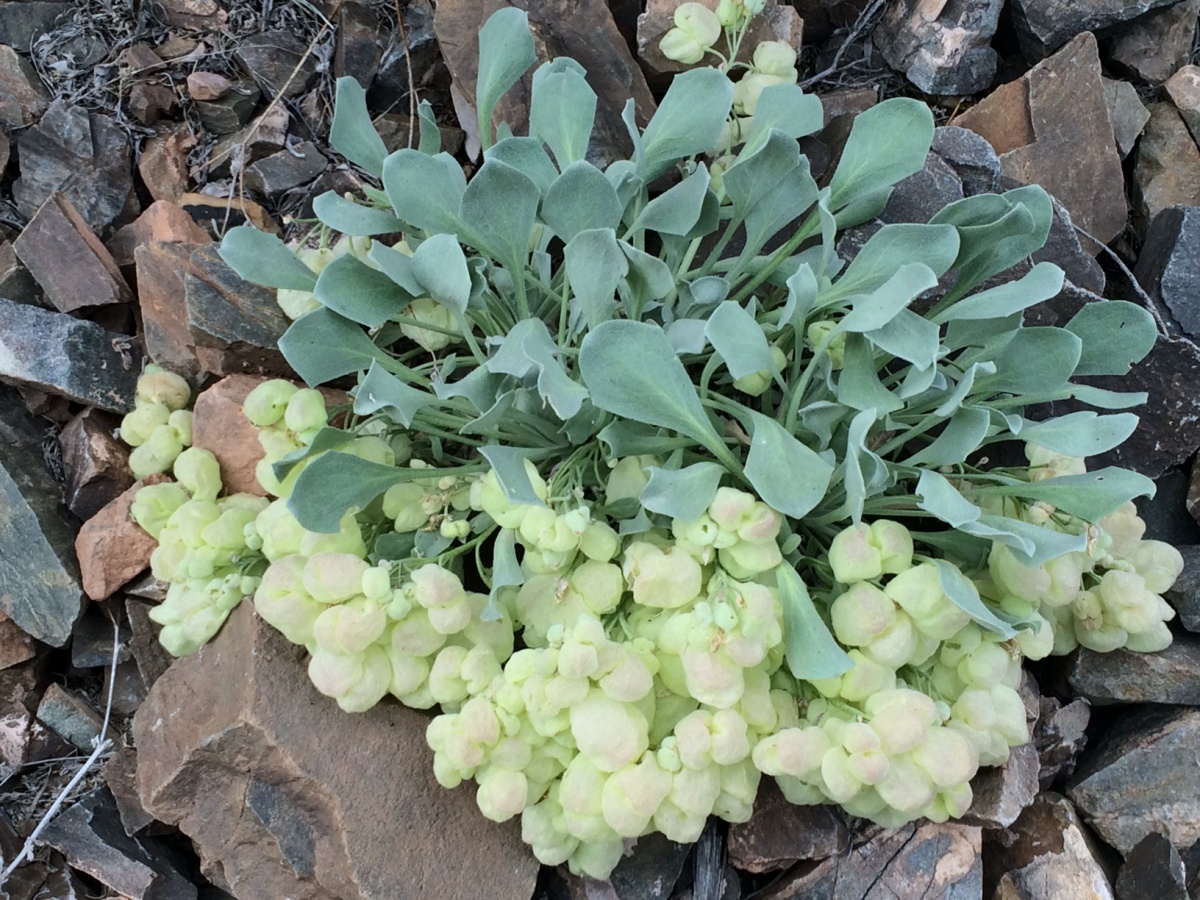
x,y
1123,676
1167,171
780,833
1184,594
1143,777
581,29
39,579
1127,112
86,364
1051,127
285,795
1153,47
1169,265
1046,855
948,52
1003,792
1152,869
1045,25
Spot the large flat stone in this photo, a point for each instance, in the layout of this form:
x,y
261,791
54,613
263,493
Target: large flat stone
x,y
284,795
1051,127
88,365
1045,25
1143,777
39,580
780,833
1123,676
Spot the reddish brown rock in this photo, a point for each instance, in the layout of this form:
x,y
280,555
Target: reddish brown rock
x,y
67,259
285,795
150,102
120,774
220,426
581,29
1184,89
160,267
15,645
1051,127
848,102
162,221
1167,172
95,463
112,548
208,85
22,96
163,164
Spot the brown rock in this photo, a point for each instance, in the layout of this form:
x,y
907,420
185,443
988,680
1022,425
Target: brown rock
x,y
339,806
68,260
581,29
111,547
22,97
151,656
848,102
1184,89
1167,172
1046,854
150,102
220,426
162,221
141,59
22,685
231,112
95,463
1051,127
208,86
120,774
169,343
917,860
1157,44
1002,792
780,833
15,645
163,164
776,22
5,147
394,129
1127,112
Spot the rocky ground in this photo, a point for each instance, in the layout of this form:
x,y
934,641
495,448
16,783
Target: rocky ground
x,y
132,133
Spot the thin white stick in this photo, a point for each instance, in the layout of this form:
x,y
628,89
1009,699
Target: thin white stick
x,y
102,744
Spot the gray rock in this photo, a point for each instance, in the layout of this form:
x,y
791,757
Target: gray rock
x,y
70,717
1184,594
1152,869
1184,90
780,833
271,57
23,23
289,168
361,42
1143,777
1127,112
1045,25
82,154
229,113
1123,676
1045,855
151,656
1167,172
1154,46
1166,513
120,774
15,281
92,637
91,837
949,53
37,548
22,96
1169,266
1060,736
971,156
1064,248
649,871
418,51
920,196
1003,792
96,367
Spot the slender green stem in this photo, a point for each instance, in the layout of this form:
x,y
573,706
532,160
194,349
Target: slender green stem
x,y
810,227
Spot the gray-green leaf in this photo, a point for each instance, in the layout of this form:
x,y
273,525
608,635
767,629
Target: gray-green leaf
x,y
811,652
264,259
787,475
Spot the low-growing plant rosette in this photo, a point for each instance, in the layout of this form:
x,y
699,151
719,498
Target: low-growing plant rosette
x,y
645,517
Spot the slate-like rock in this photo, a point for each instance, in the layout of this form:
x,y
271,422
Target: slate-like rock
x,y
1123,676
70,717
95,463
920,859
1184,594
151,656
112,548
581,29
1184,90
266,135
1045,25
163,163
39,580
1046,854
15,281
417,50
780,833
285,795
1127,112
1168,268
270,59
1143,777
148,102
1167,172
94,366
93,840
1152,869
120,774
921,195
361,41
650,869
227,114
849,101
22,97
943,52
161,221
971,157
1060,736
85,155
289,168
1003,792
74,269
208,85
160,269
1051,127
1157,44
23,23
1066,250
